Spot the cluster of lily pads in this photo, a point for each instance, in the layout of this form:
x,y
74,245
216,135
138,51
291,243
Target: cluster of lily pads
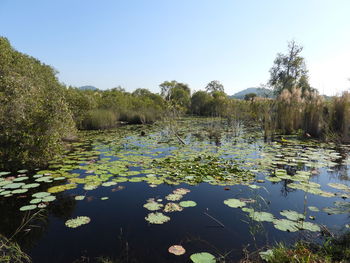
x,y
292,222
156,205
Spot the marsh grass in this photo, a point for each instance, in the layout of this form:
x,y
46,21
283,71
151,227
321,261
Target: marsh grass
x,y
10,252
99,120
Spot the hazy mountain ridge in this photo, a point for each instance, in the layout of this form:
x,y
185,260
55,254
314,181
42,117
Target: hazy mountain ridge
x,y
260,92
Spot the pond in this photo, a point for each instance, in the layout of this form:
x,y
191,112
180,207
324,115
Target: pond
x,y
130,193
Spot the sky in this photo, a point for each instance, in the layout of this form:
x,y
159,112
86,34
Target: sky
x,y
140,44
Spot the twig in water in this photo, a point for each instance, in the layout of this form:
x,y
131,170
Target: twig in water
x,y
217,221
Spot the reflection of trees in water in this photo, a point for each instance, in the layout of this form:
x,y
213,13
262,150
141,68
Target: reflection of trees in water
x,y
30,226
285,190
63,207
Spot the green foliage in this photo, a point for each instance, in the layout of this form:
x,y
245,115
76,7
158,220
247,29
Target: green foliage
x,y
214,86
289,70
99,119
335,249
250,96
10,252
34,116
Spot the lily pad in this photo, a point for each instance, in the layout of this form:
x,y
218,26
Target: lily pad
x,y
79,197
172,207
234,203
41,194
286,225
262,216
153,206
157,218
177,250
292,215
313,209
78,221
27,207
203,257
181,191
173,197
188,203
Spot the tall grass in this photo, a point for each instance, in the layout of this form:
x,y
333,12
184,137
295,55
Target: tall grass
x,y
294,111
100,119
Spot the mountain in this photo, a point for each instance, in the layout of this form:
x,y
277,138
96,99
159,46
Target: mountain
x,y
260,92
88,88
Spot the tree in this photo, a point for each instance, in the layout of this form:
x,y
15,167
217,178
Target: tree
x,y
34,116
250,96
200,103
167,87
289,71
214,86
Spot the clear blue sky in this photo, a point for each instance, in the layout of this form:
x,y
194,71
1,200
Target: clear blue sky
x,y
139,44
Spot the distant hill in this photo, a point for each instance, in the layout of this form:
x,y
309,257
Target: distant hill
x,y
260,92
88,88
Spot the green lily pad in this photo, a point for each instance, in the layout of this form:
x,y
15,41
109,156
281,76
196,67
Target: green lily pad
x,y
33,185
286,225
157,218
292,215
49,198
203,257
262,216
153,206
234,203
13,185
106,184
79,197
78,221
313,209
41,194
188,203
310,226
27,207
19,191
173,197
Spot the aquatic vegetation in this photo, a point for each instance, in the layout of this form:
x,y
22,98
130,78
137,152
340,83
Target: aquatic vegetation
x,y
28,207
152,205
172,207
188,203
203,257
181,191
313,209
339,208
79,197
177,250
78,221
173,197
157,218
261,216
286,225
234,203
292,215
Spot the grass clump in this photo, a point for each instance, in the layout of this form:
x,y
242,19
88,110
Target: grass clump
x,y
335,249
10,252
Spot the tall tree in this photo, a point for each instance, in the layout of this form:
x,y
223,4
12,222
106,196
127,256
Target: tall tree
x,y
214,86
289,70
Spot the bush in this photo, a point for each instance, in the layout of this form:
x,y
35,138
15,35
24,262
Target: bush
x,y
34,116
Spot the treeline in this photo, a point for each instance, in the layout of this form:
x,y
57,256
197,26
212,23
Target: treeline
x,y
37,112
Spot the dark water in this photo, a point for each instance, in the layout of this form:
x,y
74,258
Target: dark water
x,y
118,229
